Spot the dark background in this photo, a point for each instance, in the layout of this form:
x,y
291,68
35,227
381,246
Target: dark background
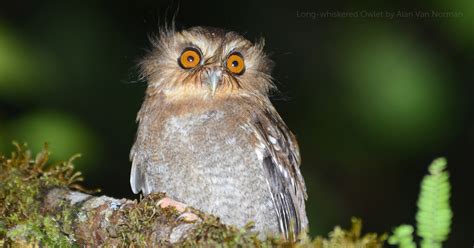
x,y
372,100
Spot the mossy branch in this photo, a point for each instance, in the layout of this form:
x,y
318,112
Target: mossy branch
x,y
43,205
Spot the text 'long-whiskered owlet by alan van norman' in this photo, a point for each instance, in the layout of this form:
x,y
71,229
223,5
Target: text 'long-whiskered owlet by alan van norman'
x,y
210,138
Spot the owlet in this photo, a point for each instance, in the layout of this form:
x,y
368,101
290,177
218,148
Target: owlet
x,y
210,138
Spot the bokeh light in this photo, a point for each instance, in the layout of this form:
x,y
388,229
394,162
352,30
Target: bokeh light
x,y
64,135
398,91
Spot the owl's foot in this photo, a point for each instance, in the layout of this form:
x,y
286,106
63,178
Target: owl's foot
x,y
180,207
188,216
166,202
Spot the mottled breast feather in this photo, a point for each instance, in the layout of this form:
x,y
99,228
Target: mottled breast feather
x,y
274,144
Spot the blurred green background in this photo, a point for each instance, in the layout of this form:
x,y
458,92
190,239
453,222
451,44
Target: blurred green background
x,y
372,100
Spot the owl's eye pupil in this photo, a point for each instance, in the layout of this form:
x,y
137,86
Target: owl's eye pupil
x,y
190,58
235,63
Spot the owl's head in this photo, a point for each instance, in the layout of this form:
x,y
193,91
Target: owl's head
x,y
206,62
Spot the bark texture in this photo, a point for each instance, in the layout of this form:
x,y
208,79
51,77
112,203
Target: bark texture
x,y
105,220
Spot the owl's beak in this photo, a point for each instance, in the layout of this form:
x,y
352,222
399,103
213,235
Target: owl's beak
x,y
213,79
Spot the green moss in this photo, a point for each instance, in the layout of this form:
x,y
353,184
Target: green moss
x,y
211,233
22,181
141,219
351,238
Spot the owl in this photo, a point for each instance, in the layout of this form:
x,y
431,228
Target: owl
x,y
210,138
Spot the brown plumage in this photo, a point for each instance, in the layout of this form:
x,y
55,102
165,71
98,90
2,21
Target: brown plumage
x,y
209,136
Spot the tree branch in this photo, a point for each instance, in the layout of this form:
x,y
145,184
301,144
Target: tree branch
x,y
105,220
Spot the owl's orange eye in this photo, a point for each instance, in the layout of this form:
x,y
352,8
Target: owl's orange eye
x,y
235,63
190,58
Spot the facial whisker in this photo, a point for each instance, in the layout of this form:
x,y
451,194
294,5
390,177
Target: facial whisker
x,y
237,83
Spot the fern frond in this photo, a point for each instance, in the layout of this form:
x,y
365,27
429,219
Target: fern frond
x,y
403,237
434,212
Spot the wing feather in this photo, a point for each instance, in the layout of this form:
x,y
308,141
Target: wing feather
x,y
281,164
136,176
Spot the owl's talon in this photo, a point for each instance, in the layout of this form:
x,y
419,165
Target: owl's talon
x,y
188,216
180,207
168,202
